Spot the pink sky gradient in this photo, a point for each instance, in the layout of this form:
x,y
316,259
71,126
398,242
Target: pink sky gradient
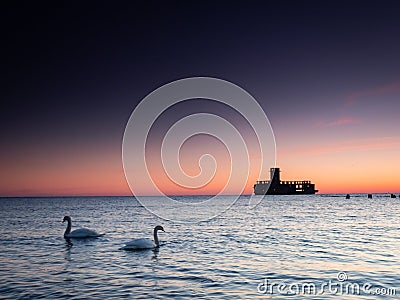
x,y
327,77
389,88
357,152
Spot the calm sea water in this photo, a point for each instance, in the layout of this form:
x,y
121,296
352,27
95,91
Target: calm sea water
x,y
245,253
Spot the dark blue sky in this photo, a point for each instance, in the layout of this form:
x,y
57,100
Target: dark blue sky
x,y
74,71
67,58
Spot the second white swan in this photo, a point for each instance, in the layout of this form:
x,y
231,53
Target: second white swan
x,y
143,243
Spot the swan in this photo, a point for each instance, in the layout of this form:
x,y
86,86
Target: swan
x,y
78,233
143,243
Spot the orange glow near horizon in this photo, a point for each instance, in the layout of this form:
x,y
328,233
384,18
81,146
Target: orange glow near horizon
x,y
363,166
360,166
51,172
328,155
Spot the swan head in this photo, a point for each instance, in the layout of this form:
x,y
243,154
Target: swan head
x,y
158,227
66,218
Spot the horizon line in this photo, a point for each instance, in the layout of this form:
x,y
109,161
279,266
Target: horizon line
x,y
87,196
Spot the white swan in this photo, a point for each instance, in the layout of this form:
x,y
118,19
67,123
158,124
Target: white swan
x,y
144,243
78,233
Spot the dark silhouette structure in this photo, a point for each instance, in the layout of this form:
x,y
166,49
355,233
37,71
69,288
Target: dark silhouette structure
x,y
275,186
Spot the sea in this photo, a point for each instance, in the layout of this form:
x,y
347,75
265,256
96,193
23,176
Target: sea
x,y
285,247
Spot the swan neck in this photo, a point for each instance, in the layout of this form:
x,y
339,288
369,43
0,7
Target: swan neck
x,y
68,230
156,238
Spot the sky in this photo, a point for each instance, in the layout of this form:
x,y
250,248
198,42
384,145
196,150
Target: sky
x,y
326,73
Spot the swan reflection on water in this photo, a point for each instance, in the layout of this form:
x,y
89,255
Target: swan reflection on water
x,y
68,243
155,253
